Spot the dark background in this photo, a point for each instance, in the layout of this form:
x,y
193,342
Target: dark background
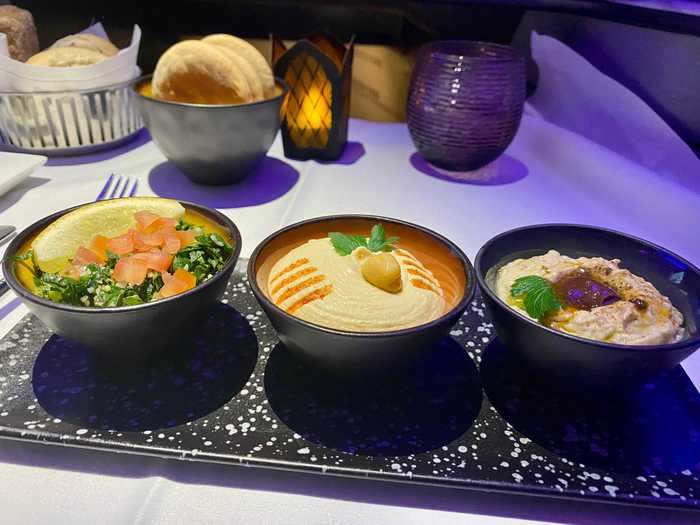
x,y
407,25
392,22
656,54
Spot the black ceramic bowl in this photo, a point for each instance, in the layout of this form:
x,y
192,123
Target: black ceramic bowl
x,y
563,356
212,144
364,351
122,334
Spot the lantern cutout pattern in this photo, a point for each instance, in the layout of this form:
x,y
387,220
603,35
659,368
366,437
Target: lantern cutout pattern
x,y
315,115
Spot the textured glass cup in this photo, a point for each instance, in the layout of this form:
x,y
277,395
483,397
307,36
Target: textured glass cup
x,y
465,102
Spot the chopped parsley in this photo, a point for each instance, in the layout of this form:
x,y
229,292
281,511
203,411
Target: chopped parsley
x,y
204,258
183,226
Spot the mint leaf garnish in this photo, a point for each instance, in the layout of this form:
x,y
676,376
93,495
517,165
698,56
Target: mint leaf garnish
x,y
376,238
345,244
377,242
359,239
538,295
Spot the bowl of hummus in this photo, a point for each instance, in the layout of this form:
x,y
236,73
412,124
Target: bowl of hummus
x,y
581,301
360,292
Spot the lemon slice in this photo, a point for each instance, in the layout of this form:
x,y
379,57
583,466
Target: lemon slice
x,y
59,241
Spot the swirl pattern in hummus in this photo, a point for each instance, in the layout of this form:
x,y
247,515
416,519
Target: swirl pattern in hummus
x,y
622,322
315,283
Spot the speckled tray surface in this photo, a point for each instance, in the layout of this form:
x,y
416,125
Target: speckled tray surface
x,y
463,416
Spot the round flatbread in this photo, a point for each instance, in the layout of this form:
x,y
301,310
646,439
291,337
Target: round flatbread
x,y
256,89
251,55
87,41
199,73
66,57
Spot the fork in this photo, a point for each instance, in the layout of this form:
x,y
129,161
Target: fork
x,y
118,186
114,188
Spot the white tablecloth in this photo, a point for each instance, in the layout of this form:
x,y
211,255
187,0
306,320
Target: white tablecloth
x,y
549,175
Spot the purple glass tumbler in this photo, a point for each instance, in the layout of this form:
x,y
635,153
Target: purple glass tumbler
x,y
465,102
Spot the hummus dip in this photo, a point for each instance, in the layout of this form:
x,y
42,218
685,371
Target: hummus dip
x,y
641,316
317,284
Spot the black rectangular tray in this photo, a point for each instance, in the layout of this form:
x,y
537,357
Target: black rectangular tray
x,y
463,416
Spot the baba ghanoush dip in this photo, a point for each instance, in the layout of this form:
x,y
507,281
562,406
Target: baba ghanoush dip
x,y
589,297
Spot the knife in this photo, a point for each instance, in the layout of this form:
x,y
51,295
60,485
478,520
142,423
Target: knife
x,y
5,231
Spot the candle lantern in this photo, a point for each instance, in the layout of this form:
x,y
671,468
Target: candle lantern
x,y
318,71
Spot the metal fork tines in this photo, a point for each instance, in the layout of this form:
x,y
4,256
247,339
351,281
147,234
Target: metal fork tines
x,y
118,186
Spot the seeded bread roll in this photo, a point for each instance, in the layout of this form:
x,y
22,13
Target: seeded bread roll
x,y
199,73
251,55
66,57
18,25
87,41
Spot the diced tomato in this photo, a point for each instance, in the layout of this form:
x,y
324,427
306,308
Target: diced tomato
x,y
185,277
170,289
155,260
145,218
84,257
121,245
152,240
171,286
139,245
171,242
161,223
179,282
166,222
186,237
99,246
130,270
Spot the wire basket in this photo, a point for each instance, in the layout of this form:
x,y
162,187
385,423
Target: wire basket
x,y
68,122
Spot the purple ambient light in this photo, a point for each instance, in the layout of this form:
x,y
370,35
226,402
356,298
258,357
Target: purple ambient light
x,y
504,170
353,152
9,307
272,179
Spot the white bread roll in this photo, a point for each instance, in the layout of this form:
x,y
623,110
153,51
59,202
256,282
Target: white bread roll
x,y
199,73
251,55
87,41
256,89
66,57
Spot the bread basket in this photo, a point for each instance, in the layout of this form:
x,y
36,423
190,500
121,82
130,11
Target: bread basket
x,y
68,122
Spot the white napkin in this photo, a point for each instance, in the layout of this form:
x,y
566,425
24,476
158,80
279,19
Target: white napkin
x,y
18,76
16,167
574,95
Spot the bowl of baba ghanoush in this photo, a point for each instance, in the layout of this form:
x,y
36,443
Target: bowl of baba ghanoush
x,y
590,303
